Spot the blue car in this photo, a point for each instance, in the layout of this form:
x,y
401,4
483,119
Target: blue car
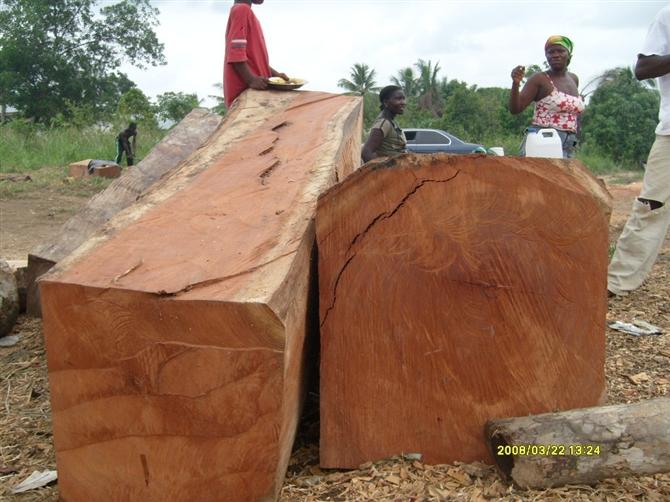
x,y
434,140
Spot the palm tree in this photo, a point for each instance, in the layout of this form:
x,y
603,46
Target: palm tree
x,y
362,80
429,87
407,81
614,75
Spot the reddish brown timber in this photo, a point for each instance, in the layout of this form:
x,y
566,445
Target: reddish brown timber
x,y
454,289
178,144
175,337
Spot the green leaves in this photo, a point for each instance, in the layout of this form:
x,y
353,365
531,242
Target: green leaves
x,y
621,117
362,80
174,106
65,51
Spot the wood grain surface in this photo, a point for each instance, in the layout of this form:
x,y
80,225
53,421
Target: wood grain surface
x,y
455,289
176,335
178,145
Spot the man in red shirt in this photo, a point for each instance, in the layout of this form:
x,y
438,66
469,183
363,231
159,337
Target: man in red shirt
x,y
247,63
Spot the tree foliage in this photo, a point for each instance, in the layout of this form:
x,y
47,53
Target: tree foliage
x,y
361,81
174,106
621,117
135,106
68,51
428,83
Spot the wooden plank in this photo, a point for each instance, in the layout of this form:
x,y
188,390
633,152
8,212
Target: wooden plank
x,y
583,446
176,337
178,144
454,289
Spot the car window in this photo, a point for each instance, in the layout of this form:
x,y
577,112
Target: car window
x,y
431,138
410,136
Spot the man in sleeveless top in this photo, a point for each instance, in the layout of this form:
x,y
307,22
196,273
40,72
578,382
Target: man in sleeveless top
x,y
558,104
386,137
246,62
647,226
123,144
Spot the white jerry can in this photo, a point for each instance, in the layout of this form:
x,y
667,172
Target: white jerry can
x,y
544,143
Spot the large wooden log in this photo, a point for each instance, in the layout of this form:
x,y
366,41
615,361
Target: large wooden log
x,y
583,446
178,145
175,338
454,289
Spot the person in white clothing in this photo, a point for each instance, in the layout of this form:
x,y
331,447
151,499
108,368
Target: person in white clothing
x,y
647,226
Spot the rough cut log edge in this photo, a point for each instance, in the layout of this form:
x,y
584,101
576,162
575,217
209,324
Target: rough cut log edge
x,y
43,257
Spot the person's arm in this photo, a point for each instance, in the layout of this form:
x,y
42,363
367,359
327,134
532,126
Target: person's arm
x,y
252,80
520,99
372,144
651,66
132,149
279,74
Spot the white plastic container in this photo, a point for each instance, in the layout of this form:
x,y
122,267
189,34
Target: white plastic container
x,y
497,150
544,143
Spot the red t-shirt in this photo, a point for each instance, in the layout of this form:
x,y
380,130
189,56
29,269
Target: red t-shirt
x,y
244,43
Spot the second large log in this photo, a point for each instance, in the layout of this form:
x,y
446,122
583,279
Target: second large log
x,y
455,289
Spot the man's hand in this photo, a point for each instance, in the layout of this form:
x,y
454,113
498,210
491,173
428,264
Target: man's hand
x,y
279,74
257,82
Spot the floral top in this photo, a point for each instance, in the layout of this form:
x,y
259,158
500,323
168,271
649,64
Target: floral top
x,y
558,110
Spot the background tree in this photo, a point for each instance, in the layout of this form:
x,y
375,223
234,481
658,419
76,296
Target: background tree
x,y
407,81
362,80
67,51
621,117
134,105
220,106
174,106
430,98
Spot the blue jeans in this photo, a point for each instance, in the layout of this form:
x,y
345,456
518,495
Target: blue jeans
x,y
568,138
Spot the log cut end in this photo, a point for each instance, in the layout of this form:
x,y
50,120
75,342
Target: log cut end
x,y
454,289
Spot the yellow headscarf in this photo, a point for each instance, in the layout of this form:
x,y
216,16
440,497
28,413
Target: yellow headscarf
x,y
560,40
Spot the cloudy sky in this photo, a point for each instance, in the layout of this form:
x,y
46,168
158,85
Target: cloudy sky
x,y
478,42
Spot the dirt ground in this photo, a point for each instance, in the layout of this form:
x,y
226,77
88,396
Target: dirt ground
x,y
637,368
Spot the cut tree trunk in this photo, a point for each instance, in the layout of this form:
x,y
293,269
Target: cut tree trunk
x,y
179,144
176,336
583,446
454,289
9,299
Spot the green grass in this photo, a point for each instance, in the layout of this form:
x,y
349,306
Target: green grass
x,y
25,147
53,179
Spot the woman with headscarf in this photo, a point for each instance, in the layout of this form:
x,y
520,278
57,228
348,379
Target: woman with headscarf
x,y
558,104
386,137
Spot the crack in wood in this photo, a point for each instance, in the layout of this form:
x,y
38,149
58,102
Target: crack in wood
x,y
383,216
265,174
210,282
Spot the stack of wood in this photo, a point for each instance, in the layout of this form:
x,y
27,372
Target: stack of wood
x,y
455,289
83,169
178,145
176,336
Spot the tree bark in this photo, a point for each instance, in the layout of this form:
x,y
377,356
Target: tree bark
x,y
583,446
182,141
176,336
454,289
9,299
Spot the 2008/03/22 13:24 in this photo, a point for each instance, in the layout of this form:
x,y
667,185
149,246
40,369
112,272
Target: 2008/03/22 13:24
x,y
558,450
